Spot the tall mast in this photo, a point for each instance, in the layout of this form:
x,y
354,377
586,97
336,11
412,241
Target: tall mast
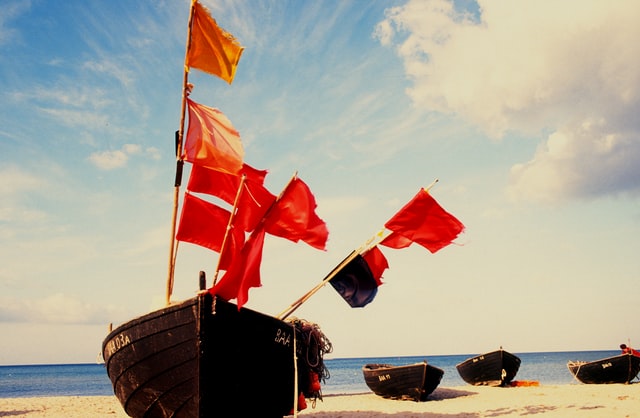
x,y
179,161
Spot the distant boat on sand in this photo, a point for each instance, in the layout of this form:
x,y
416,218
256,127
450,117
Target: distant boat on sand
x,y
408,382
496,368
622,368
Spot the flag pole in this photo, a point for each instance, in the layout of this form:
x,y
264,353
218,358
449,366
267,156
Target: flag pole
x,y
229,226
186,89
282,192
433,183
295,305
363,248
264,217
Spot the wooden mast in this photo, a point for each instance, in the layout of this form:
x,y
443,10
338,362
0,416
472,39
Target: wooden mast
x,y
179,161
229,226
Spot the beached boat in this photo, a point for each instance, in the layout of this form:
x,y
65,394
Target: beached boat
x,y
205,356
622,368
497,368
407,382
187,360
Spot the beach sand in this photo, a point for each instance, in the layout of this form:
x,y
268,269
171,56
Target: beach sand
x,y
573,400
63,406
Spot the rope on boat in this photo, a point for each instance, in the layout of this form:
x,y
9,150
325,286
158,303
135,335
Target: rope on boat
x,y
295,373
579,364
312,350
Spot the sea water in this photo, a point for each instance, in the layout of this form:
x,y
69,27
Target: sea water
x,y
345,374
54,380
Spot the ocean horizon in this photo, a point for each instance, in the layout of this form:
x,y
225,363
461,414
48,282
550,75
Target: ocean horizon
x,y
345,374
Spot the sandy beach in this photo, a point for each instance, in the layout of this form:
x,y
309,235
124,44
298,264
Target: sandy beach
x,y
574,400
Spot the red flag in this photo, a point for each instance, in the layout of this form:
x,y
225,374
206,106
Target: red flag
x,y
254,200
220,184
244,273
377,262
254,203
204,224
212,141
293,217
395,240
424,222
212,49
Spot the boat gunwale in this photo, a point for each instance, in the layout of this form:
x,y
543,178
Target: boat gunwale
x,y
385,366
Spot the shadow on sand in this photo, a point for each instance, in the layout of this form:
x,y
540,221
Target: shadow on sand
x,y
16,413
440,394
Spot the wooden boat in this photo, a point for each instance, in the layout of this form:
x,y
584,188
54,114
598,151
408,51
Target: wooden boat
x,y
408,382
188,361
622,368
205,356
497,368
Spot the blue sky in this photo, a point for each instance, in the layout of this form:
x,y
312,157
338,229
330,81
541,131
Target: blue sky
x,y
525,111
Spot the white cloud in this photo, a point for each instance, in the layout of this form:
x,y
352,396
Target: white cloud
x,y
111,68
55,309
16,180
131,149
109,160
11,10
532,67
581,161
69,95
153,153
78,118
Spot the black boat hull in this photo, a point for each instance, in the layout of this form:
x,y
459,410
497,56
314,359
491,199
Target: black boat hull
x,y
618,369
497,368
408,382
185,361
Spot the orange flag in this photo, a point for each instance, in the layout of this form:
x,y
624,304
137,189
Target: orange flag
x,y
211,140
212,49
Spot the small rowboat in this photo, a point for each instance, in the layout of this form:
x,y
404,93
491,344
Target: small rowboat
x,y
409,382
497,368
622,368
